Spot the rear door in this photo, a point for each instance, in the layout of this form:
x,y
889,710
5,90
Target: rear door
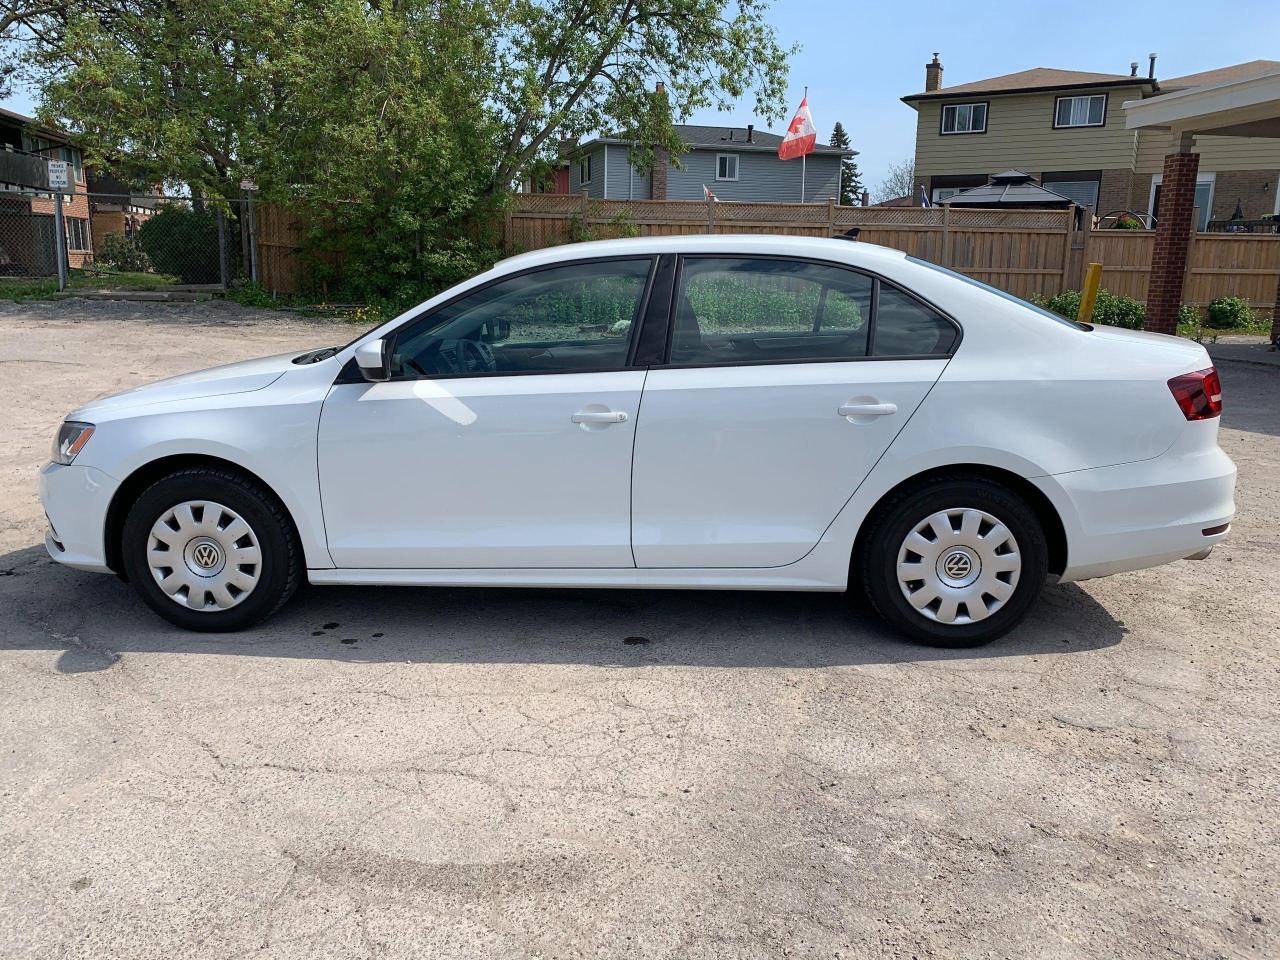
x,y
784,382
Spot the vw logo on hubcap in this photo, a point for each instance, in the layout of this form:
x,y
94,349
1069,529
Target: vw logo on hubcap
x,y
958,566
205,557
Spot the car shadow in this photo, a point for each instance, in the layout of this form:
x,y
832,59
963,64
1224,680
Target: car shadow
x,y
93,621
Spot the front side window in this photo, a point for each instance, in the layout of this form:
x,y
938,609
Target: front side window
x,y
964,118
568,319
1090,111
735,310
727,166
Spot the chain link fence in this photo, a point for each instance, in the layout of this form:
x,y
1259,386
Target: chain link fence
x,y
144,241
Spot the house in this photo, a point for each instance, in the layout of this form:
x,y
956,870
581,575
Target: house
x,y
734,163
115,207
1066,128
26,203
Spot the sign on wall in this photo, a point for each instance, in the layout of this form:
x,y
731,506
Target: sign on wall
x,y
59,178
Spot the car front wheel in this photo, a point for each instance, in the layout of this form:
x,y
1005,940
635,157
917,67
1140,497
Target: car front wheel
x,y
954,562
211,550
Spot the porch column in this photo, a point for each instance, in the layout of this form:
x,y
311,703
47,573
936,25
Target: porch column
x,y
1173,234
1275,316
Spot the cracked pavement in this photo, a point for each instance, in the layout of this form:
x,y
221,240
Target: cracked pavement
x,y
485,773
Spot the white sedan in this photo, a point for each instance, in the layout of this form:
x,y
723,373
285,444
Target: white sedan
x,y
715,412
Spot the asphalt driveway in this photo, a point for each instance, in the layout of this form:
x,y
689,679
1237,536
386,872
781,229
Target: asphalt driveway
x,y
483,773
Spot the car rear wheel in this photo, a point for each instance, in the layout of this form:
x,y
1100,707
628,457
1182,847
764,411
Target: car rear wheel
x,y
211,550
954,562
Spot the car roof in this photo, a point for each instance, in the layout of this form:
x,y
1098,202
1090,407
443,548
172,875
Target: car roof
x,y
818,248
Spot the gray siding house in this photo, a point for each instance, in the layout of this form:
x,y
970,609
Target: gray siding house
x,y
734,163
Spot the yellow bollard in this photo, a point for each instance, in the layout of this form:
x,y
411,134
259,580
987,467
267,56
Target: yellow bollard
x,y
1092,277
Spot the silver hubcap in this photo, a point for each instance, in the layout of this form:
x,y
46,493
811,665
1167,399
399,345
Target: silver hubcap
x,y
204,555
959,566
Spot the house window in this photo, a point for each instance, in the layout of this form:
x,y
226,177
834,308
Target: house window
x,y
584,169
1203,201
77,233
726,166
1083,192
1090,111
72,156
964,118
944,193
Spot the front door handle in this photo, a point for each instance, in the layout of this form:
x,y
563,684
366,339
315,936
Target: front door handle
x,y
868,409
599,416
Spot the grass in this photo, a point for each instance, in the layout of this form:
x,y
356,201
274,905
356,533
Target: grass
x,y
79,279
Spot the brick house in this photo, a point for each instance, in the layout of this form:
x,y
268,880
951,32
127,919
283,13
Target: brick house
x,y
1067,128
114,207
26,204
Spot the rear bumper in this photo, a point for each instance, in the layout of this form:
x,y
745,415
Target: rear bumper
x,y
1136,515
75,502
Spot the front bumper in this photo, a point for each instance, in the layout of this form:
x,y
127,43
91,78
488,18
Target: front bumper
x,y
1136,515
75,500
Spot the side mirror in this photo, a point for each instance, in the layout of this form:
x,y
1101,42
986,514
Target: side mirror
x,y
373,359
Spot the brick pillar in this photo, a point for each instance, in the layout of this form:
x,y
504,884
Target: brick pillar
x,y
1173,234
1275,317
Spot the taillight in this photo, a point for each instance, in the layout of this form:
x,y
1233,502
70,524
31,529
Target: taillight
x,y
1199,394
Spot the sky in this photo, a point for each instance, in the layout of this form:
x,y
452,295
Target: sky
x,y
859,58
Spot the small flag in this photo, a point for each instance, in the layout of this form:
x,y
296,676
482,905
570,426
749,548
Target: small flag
x,y
924,197
708,195
801,136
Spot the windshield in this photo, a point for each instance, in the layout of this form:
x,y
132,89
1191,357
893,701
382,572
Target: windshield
x,y
1058,318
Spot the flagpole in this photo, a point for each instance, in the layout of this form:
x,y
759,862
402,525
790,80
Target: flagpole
x,y
803,156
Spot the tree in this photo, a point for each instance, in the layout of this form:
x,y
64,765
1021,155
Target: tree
x,y
574,67
850,177
394,126
899,182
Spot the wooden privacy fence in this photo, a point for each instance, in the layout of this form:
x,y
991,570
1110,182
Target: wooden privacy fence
x,y
1218,265
1026,252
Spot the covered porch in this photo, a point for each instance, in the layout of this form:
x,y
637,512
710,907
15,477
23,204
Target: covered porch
x,y
1248,107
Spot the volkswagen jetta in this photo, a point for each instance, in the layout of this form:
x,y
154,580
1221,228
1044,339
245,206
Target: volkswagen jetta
x,y
708,412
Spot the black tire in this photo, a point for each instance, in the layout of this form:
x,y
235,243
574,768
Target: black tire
x,y
281,565
876,566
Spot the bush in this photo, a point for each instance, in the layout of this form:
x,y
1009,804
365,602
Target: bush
x,y
1228,313
123,253
184,242
1109,309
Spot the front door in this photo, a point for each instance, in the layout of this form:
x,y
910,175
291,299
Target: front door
x,y
787,381
504,437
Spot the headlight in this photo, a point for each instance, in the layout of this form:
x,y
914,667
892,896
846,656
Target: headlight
x,y
70,440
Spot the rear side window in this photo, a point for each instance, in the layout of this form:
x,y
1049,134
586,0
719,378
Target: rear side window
x,y
907,328
733,310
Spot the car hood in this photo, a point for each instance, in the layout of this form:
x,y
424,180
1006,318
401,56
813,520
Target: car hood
x,y
243,377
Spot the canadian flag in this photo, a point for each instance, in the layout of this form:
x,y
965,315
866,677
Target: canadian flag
x,y
801,136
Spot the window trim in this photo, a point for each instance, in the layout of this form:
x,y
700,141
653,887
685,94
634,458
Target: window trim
x,y
1106,99
726,156
942,117
350,372
876,278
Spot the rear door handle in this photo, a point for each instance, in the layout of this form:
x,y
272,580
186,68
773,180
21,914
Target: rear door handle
x,y
868,409
594,416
